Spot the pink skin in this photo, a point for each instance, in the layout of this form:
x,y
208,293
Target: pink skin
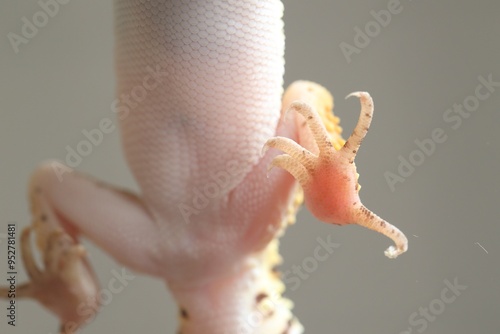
x,y
331,193
329,179
208,80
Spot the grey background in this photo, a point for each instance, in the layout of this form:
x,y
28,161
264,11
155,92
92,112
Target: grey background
x,y
428,58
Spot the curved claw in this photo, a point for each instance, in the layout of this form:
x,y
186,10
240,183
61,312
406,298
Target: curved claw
x,y
368,219
357,94
330,180
352,145
393,253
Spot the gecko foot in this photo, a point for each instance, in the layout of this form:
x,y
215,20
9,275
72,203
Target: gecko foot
x,y
329,178
66,286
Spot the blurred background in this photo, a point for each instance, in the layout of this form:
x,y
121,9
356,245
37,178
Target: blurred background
x,y
422,62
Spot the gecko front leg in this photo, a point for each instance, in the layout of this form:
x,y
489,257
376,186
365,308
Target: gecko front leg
x,y
329,178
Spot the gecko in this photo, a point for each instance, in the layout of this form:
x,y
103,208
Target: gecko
x,y
208,122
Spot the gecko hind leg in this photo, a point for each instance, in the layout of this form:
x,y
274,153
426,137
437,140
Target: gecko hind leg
x,y
60,285
34,273
67,205
330,180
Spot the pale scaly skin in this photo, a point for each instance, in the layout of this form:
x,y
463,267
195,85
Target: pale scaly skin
x,y
207,81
